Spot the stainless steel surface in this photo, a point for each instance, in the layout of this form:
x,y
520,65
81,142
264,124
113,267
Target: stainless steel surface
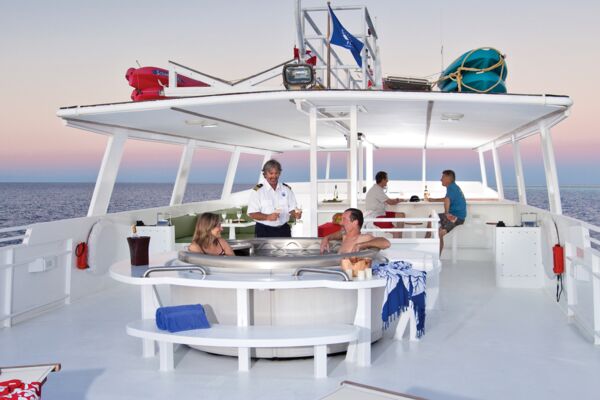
x,y
274,255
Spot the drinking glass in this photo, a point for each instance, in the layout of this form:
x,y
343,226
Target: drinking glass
x,y
298,210
224,217
239,214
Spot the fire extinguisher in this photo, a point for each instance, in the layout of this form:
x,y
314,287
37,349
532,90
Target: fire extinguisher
x,y
81,254
558,255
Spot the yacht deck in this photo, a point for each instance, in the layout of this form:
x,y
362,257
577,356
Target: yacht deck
x,y
481,342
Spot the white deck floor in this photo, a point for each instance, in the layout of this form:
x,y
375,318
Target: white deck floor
x,y
481,343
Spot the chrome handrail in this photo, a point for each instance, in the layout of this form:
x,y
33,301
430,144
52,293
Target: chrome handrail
x,y
299,271
150,270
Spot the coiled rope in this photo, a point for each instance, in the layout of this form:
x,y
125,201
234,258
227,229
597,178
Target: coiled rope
x,y
457,76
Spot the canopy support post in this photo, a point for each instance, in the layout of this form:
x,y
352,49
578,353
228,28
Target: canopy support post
x,y
328,165
107,175
498,172
231,170
519,171
550,171
369,165
313,172
183,173
484,181
361,168
353,156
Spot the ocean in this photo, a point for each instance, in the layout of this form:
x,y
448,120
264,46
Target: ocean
x,y
27,203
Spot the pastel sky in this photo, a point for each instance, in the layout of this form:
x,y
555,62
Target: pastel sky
x,y
61,53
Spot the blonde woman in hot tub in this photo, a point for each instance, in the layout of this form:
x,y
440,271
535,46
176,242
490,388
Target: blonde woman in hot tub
x,y
207,237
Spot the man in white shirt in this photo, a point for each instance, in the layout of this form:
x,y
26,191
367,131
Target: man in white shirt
x,y
376,201
272,203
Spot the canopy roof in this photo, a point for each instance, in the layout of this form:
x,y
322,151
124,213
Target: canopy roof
x,y
278,120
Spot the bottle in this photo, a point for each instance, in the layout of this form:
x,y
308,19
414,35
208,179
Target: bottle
x,y
335,193
426,194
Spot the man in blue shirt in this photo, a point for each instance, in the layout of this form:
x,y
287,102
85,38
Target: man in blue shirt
x,y
455,206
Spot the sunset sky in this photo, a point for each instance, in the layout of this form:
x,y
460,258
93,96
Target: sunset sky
x,y
66,53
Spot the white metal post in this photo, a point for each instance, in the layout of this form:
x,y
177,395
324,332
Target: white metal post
x,y
361,166
183,173
313,172
484,181
353,156
498,172
519,170
233,163
369,165
107,175
328,165
550,170
9,260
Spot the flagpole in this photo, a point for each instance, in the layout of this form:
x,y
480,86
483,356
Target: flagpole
x,y
328,46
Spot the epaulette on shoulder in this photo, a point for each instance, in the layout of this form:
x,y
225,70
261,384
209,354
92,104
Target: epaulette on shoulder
x,y
258,186
287,186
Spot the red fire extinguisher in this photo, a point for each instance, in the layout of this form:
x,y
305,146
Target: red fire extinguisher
x,y
558,255
81,255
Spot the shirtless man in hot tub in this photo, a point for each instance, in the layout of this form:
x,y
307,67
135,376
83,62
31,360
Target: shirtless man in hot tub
x,y
352,239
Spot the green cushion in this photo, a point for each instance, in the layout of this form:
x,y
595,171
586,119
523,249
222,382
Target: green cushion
x,y
185,239
184,226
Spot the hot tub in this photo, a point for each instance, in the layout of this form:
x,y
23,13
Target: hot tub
x,y
275,256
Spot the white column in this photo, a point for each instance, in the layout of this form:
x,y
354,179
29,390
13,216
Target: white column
x,y
369,165
183,173
498,172
243,319
328,165
361,166
519,170
8,287
484,181
313,173
353,156
424,167
107,176
550,170
233,163
266,158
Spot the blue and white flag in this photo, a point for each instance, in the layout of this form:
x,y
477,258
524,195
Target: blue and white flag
x,y
341,37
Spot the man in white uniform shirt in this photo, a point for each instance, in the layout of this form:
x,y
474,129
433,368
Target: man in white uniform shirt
x,y
376,201
272,203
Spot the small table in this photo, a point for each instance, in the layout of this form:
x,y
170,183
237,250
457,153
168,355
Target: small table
x,y
232,225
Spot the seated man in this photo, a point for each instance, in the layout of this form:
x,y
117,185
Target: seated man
x,y
455,206
376,201
352,239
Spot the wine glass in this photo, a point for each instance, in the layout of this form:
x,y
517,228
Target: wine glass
x,y
298,210
224,217
239,214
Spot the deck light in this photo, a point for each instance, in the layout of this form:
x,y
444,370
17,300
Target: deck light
x,y
298,76
452,117
202,122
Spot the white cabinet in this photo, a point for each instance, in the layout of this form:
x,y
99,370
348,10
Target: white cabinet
x,y
162,238
519,258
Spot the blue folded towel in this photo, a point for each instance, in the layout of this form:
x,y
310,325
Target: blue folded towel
x,y
181,318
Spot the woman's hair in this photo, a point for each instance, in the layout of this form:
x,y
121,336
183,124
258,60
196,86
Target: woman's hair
x,y
206,223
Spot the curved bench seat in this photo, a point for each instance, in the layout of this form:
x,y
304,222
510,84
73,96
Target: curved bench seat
x,y
253,336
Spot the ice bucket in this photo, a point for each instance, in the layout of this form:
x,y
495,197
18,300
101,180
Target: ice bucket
x,y
138,249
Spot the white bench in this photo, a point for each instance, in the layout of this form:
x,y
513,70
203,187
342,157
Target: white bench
x,y
247,337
